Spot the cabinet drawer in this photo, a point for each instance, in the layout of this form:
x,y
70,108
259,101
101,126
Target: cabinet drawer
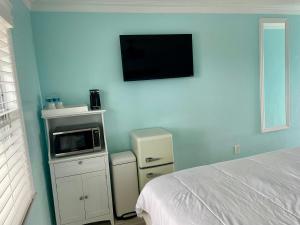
x,y
70,168
145,175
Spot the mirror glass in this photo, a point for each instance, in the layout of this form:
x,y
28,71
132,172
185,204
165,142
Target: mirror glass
x,y
274,75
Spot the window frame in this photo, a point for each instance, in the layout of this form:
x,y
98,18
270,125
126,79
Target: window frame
x,y
19,110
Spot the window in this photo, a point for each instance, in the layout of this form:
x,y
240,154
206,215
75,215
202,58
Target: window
x,y
16,187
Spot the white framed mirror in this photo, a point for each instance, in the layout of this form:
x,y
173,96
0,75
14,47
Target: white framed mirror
x,y
274,75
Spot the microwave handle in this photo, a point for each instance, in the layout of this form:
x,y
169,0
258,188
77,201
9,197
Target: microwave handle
x,y
69,132
99,137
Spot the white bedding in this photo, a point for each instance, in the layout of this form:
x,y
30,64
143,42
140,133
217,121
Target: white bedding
x,y
259,190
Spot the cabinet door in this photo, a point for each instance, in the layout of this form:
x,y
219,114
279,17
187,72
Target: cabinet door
x,y
96,195
70,199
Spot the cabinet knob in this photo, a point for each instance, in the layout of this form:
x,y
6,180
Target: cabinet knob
x,y
79,162
81,198
86,197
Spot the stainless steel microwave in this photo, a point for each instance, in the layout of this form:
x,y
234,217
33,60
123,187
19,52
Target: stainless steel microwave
x,y
74,140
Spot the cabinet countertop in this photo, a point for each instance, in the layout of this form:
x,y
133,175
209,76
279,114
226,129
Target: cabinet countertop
x,y
77,157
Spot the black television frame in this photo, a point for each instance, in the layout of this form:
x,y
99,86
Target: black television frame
x,y
154,77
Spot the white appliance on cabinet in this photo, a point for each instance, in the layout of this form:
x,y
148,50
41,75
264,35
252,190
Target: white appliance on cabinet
x,y
80,183
153,148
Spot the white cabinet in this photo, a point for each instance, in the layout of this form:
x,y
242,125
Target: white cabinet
x,y
80,183
83,195
70,199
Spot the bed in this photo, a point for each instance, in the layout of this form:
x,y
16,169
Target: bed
x,y
259,190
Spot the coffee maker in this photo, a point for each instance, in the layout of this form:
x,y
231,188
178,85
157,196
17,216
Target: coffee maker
x,y
95,99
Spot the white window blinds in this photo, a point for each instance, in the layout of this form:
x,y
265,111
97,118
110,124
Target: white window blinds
x,y
16,188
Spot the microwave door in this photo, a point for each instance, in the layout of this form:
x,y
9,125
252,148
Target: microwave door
x,y
73,143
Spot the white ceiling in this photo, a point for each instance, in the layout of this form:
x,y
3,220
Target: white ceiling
x,y
169,6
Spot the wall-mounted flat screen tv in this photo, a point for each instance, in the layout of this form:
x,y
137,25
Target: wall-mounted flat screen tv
x,y
146,57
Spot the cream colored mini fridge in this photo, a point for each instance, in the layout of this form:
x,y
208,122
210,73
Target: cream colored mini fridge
x,y
153,148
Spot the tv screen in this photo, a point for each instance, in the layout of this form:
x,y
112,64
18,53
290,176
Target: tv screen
x,y
146,57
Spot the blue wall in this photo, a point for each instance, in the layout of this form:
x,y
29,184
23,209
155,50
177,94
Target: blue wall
x,y
207,114
31,98
274,77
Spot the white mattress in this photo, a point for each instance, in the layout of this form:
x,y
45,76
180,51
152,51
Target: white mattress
x,y
259,190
